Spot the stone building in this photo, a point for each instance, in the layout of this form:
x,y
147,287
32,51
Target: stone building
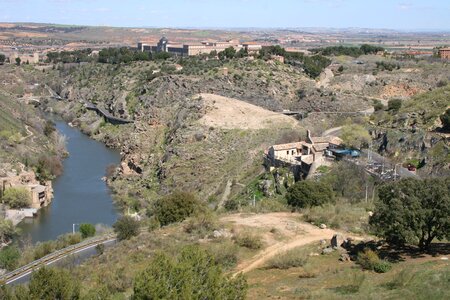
x,y
308,154
24,58
193,49
41,195
444,53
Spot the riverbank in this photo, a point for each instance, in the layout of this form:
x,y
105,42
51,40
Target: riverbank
x,y
80,194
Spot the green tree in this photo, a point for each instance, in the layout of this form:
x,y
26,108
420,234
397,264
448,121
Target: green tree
x,y
394,104
354,135
17,197
309,193
126,227
2,58
193,274
50,284
49,128
9,257
175,207
7,231
18,61
228,53
413,211
87,230
445,119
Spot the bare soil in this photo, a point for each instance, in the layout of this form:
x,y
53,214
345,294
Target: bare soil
x,y
229,113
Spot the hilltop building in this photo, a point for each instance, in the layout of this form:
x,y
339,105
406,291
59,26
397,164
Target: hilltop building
x,y
24,58
193,49
444,53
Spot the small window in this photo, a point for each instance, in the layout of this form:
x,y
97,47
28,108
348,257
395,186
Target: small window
x,y
287,152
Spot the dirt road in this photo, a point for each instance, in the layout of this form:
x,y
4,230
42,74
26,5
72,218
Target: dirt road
x,y
295,233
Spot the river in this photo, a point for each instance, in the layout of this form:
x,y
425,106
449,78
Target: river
x,y
80,196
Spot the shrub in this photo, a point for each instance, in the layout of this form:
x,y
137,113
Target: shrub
x,y
309,193
153,223
126,227
445,119
290,259
192,274
382,267
9,257
17,197
225,253
87,230
50,283
175,207
377,105
394,104
48,167
200,224
367,258
248,240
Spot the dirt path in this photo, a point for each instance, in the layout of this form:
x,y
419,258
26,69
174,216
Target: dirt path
x,y
29,133
295,233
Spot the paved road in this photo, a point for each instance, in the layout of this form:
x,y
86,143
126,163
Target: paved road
x,y
74,254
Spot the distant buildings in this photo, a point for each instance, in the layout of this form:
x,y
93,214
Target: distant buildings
x,y
444,53
24,58
197,48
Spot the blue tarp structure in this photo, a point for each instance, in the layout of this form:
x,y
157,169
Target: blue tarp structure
x,y
347,152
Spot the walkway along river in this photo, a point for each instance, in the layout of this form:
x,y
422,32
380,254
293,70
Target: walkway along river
x,y
80,196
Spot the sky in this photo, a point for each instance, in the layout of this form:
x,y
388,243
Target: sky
x,y
381,14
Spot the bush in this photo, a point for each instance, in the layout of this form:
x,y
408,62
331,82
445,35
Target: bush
x,y
50,283
394,104
200,224
175,207
48,167
193,274
17,197
248,240
9,257
225,253
290,259
153,224
309,193
87,230
367,259
382,267
445,119
377,105
126,227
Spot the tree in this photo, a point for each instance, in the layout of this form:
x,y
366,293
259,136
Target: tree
x,y
228,53
17,197
50,283
175,207
18,60
445,119
394,104
354,136
87,230
49,128
413,211
7,231
2,58
309,193
126,227
9,257
193,274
